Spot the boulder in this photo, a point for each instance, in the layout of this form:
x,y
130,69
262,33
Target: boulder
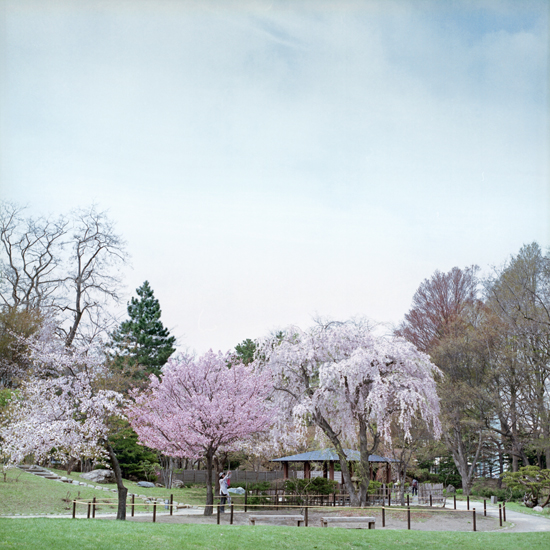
x,y
178,484
145,484
100,476
538,509
450,489
159,485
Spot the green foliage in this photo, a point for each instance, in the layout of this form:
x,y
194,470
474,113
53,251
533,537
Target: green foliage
x,y
314,486
245,351
503,495
448,472
14,362
142,339
534,482
135,460
374,486
5,396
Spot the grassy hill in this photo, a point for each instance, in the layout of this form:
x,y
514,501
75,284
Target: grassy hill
x,y
26,494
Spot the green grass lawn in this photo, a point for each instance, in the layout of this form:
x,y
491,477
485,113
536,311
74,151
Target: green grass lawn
x,y
515,506
68,534
27,494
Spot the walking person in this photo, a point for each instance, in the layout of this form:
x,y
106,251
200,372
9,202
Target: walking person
x,y
414,487
225,480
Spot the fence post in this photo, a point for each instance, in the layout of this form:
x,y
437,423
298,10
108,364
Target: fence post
x,y
389,497
500,515
93,508
334,498
454,500
409,518
306,515
218,514
74,509
484,506
468,502
383,516
171,504
133,503
474,518
504,511
430,499
245,498
408,503
154,511
231,517
89,509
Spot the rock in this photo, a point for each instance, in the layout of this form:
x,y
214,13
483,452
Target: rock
x,y
178,484
159,485
100,476
450,489
538,509
494,500
145,484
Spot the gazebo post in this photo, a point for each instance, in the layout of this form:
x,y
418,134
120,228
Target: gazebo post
x,y
388,473
285,470
371,471
331,470
307,470
325,470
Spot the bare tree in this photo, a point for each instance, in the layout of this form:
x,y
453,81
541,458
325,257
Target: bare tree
x,y
436,303
443,322
519,296
92,281
30,271
68,267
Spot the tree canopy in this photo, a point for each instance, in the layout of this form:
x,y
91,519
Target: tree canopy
x,y
142,339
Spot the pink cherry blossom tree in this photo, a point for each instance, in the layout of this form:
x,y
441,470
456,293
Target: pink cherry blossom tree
x,y
60,411
350,384
201,406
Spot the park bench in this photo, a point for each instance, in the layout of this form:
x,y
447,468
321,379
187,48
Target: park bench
x,y
297,519
325,521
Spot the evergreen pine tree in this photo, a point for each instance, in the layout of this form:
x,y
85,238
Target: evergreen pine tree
x,y
142,341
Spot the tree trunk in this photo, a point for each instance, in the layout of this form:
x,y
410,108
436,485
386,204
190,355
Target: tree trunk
x,y
122,491
208,509
329,432
364,465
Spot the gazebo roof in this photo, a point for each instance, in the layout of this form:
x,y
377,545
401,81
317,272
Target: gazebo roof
x,y
327,455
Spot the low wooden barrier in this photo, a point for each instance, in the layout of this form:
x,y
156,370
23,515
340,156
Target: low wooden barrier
x,y
169,504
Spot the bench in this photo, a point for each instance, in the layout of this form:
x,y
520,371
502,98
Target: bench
x,y
297,519
371,521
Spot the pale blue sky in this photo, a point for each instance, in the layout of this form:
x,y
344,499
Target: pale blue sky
x,y
270,161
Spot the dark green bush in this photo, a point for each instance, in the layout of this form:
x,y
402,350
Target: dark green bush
x,y
502,495
315,486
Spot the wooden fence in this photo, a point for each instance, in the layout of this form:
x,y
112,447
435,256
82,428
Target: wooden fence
x,y
237,476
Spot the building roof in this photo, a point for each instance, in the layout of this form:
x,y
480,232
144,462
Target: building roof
x,y
325,455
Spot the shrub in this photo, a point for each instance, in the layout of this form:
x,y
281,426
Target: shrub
x,y
315,486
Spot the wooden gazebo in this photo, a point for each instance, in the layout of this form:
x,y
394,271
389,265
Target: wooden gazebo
x,y
328,457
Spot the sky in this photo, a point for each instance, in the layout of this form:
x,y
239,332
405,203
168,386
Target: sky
x,y
268,162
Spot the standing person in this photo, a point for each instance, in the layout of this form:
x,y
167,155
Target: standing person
x,y
225,480
414,487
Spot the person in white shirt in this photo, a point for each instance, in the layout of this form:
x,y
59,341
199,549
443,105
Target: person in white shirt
x,y
225,479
